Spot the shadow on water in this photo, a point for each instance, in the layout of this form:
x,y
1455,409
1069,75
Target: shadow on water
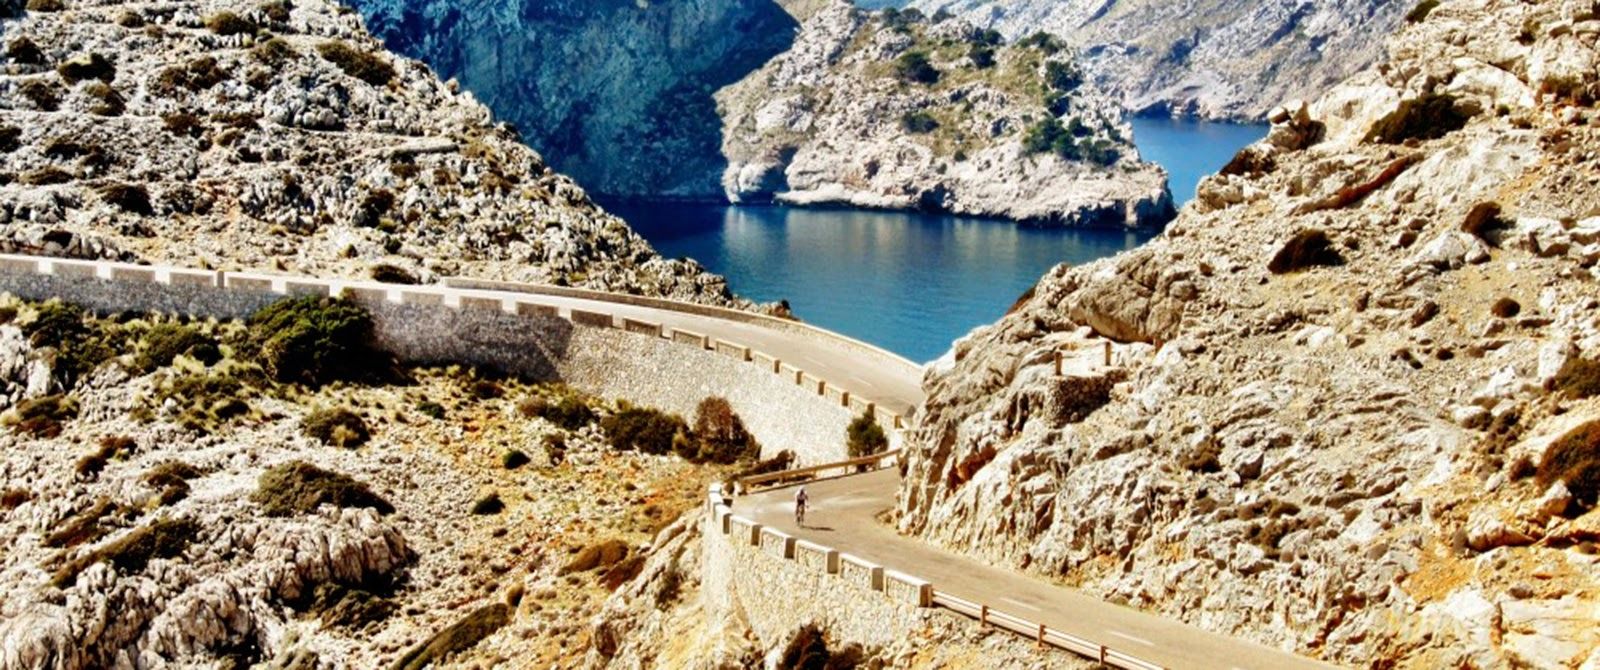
x,y
615,93
905,281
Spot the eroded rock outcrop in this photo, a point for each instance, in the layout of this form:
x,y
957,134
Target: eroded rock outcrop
x,y
885,111
1347,363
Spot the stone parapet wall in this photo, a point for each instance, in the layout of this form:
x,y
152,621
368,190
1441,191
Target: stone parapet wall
x,y
634,360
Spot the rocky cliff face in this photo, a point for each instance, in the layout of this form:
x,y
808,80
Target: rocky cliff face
x,y
881,110
1229,59
1349,407
243,135
618,92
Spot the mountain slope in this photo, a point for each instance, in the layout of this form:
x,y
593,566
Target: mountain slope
x,y
1349,386
1214,58
247,135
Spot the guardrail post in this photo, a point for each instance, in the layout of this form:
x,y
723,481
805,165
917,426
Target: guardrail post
x,y
1102,654
983,616
1058,362
1108,353
1042,645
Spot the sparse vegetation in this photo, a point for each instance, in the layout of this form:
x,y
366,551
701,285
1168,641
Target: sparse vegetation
x,y
1307,249
514,458
197,75
459,636
601,555
366,66
46,5
275,52
298,487
228,23
1071,142
1428,117
981,55
110,447
569,411
1505,308
644,429
373,207
864,437
1420,13
1579,378
488,504
1042,41
183,124
720,434
167,341
808,650
1574,458
392,274
108,102
914,67
166,538
85,67
918,123
88,525
1063,77
130,19
42,93
314,340
1204,458
170,479
24,51
42,417
206,402
336,427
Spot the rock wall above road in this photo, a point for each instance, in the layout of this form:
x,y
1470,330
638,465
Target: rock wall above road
x,y
282,136
888,111
1343,364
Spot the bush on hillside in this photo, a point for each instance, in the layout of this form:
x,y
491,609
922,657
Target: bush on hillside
x,y
46,5
43,94
1420,13
167,341
364,65
92,66
183,124
298,487
864,437
1505,308
459,636
108,102
166,538
24,51
720,434
1063,77
43,417
1579,378
228,23
1482,219
197,75
1428,117
808,650
171,480
570,410
914,67
643,429
1307,249
392,274
314,340
918,123
1575,460
336,427
275,52
981,55
1042,41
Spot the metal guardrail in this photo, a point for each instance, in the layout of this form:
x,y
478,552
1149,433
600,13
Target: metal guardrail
x,y
746,483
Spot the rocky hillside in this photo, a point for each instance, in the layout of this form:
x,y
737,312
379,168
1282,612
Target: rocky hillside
x,y
892,110
1215,58
1354,403
616,92
281,135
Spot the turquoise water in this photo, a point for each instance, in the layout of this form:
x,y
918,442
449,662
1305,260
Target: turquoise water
x,y
1191,149
911,283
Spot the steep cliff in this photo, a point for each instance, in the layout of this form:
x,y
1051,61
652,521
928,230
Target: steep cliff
x,y
1214,58
618,93
1350,402
259,136
883,110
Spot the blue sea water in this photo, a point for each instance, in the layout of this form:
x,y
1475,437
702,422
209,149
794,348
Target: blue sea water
x,y
911,283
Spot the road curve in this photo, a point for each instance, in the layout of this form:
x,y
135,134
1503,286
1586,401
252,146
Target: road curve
x,y
843,514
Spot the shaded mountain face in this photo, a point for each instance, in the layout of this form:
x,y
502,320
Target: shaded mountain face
x,y
1232,59
616,93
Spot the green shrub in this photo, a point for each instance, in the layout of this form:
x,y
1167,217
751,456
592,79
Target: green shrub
x,y
46,5
392,274
570,410
914,67
1427,117
42,417
337,427
1204,458
110,447
373,208
431,409
10,139
1574,458
461,635
918,123
275,52
901,20
276,10
108,102
91,66
130,19
514,458
183,124
197,75
720,434
1420,13
1042,41
130,198
363,65
171,480
1308,248
342,606
864,437
24,51
489,504
166,538
314,340
298,487
486,389
808,650
228,23
167,341
643,429
981,55
1505,308
43,94
207,401
1063,77
88,525
1579,378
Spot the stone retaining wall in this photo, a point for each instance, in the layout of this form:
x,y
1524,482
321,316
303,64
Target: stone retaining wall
x,y
777,584
591,351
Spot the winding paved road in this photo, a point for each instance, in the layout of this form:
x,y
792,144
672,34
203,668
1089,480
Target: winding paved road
x,y
843,515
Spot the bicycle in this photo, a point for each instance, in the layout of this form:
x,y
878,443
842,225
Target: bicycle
x,y
800,514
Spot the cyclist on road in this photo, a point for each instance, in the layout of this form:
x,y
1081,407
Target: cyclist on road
x,y
800,498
